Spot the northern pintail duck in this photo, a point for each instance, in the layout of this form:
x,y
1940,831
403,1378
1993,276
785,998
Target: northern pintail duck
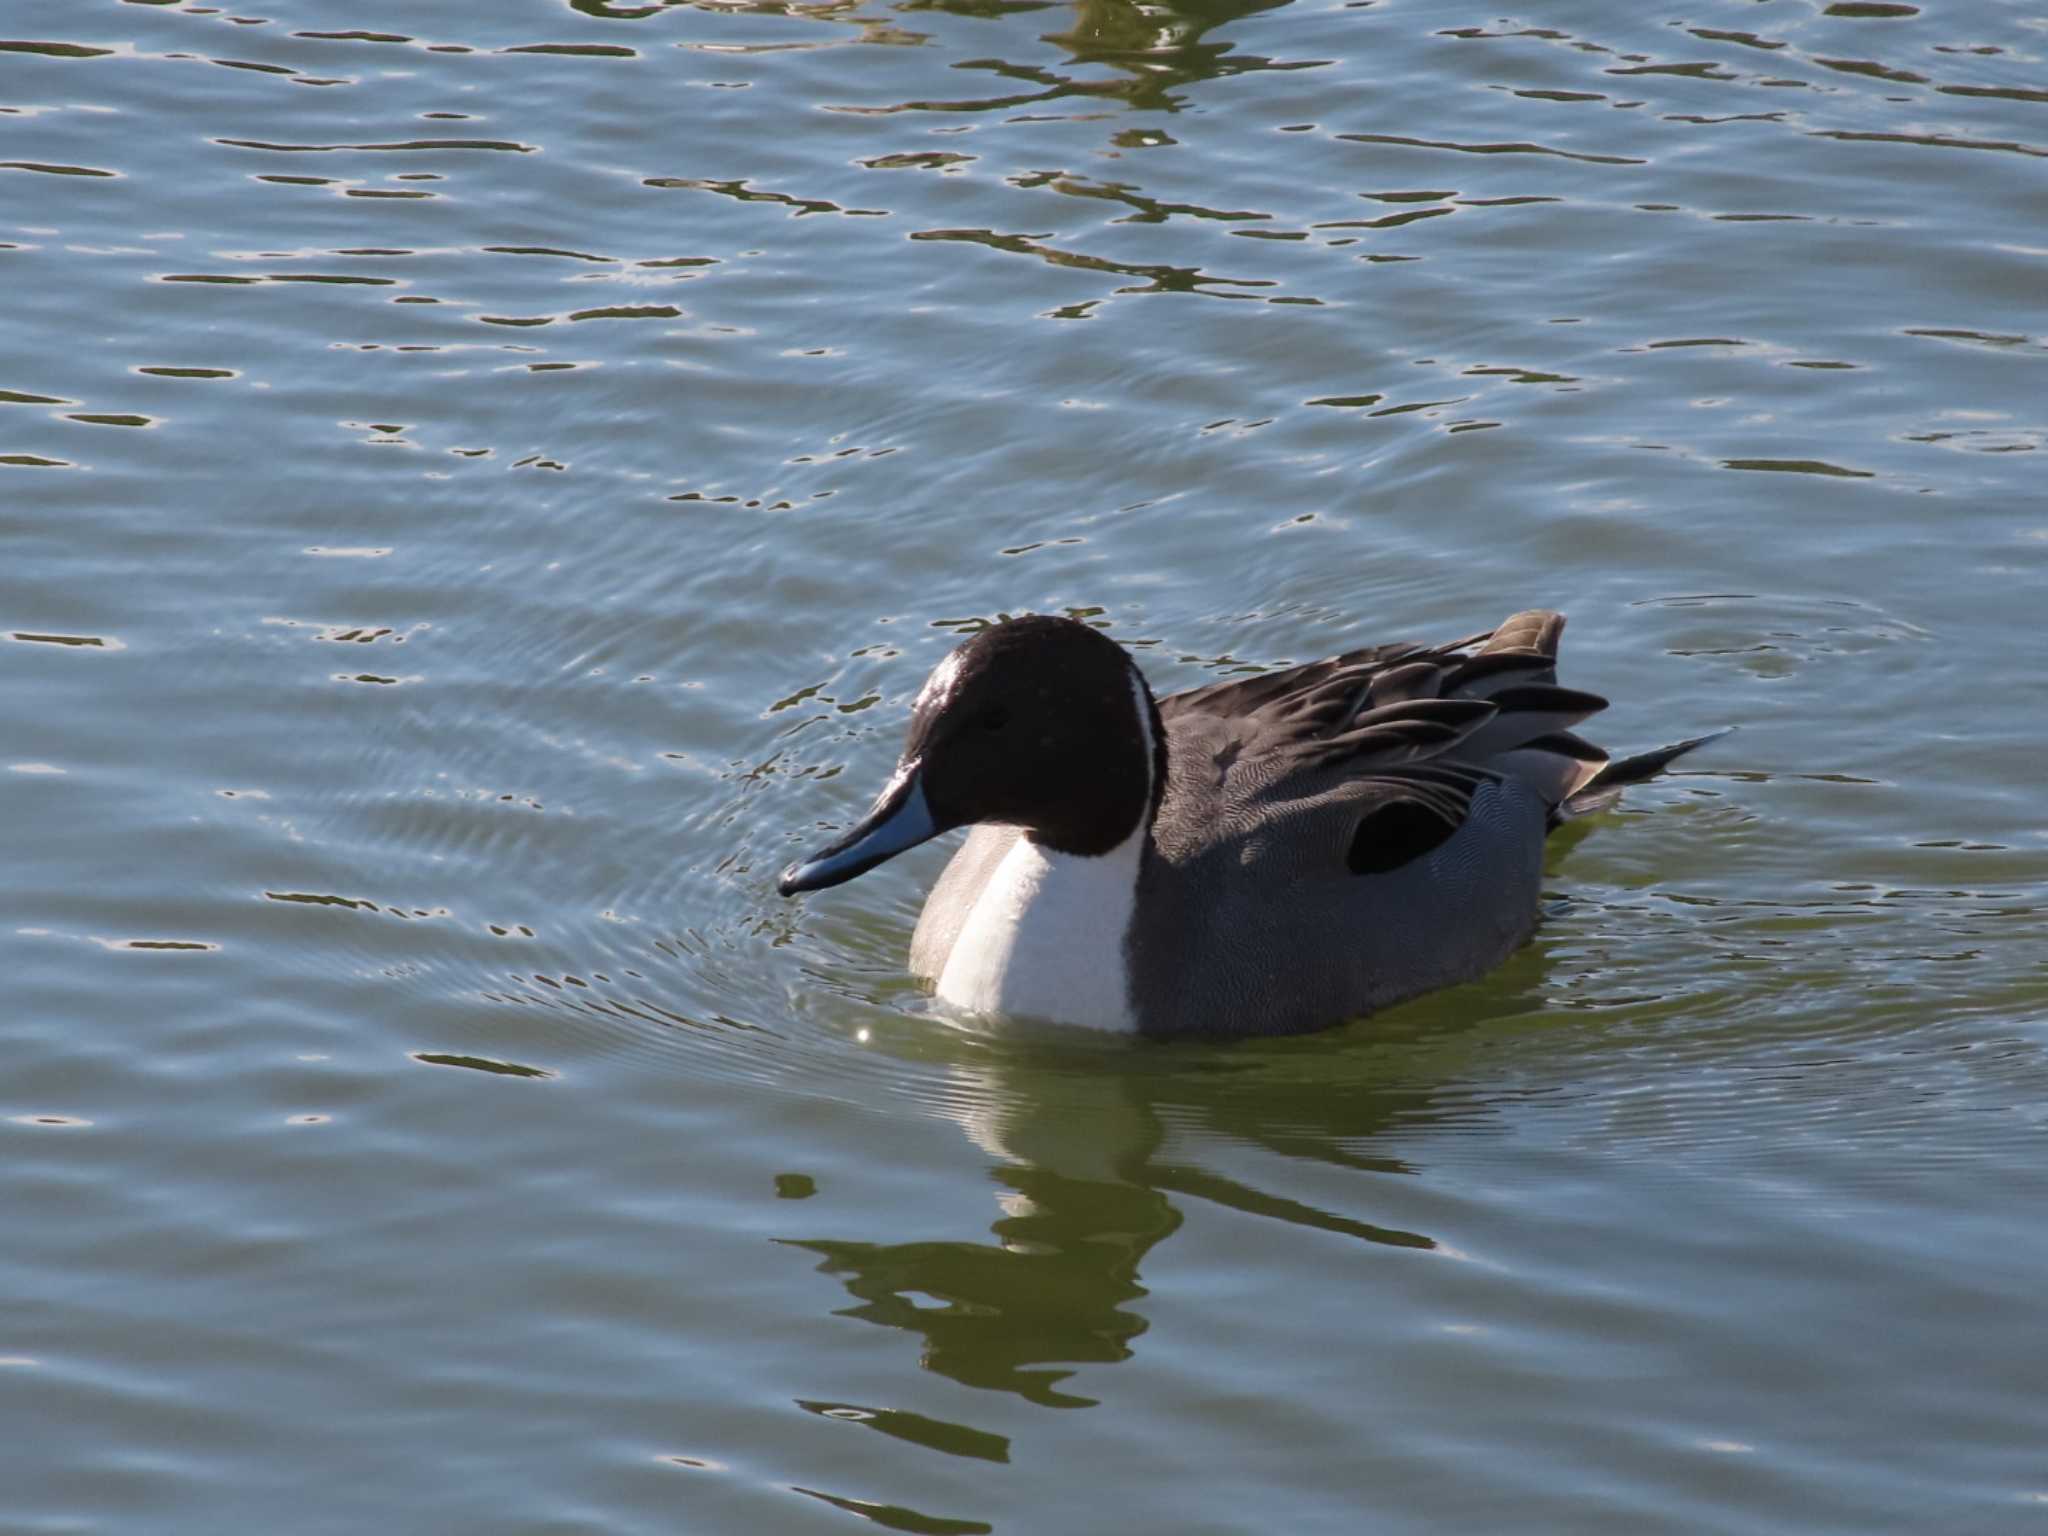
x,y
1265,855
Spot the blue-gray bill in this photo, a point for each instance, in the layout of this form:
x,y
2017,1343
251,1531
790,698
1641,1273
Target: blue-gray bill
x,y
899,819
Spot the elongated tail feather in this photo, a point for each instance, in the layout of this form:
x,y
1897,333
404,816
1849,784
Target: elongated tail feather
x,y
1605,787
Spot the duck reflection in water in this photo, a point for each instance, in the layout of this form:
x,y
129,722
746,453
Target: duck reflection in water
x,y
1052,1292
1077,1134
1161,46
1154,51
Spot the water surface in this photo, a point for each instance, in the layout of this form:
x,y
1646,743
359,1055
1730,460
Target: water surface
x,y
479,487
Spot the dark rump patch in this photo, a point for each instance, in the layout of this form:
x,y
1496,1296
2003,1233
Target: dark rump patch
x,y
1396,833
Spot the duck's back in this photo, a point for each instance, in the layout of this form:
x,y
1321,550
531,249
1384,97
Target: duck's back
x,y
1252,918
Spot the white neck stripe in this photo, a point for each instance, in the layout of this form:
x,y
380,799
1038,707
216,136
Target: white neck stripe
x,y
1142,697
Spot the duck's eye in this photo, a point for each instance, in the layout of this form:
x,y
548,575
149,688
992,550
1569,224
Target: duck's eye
x,y
994,718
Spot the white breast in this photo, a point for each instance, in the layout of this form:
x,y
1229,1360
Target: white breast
x,y
1046,938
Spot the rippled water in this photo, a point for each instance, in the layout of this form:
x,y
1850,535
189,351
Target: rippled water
x,y
478,488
